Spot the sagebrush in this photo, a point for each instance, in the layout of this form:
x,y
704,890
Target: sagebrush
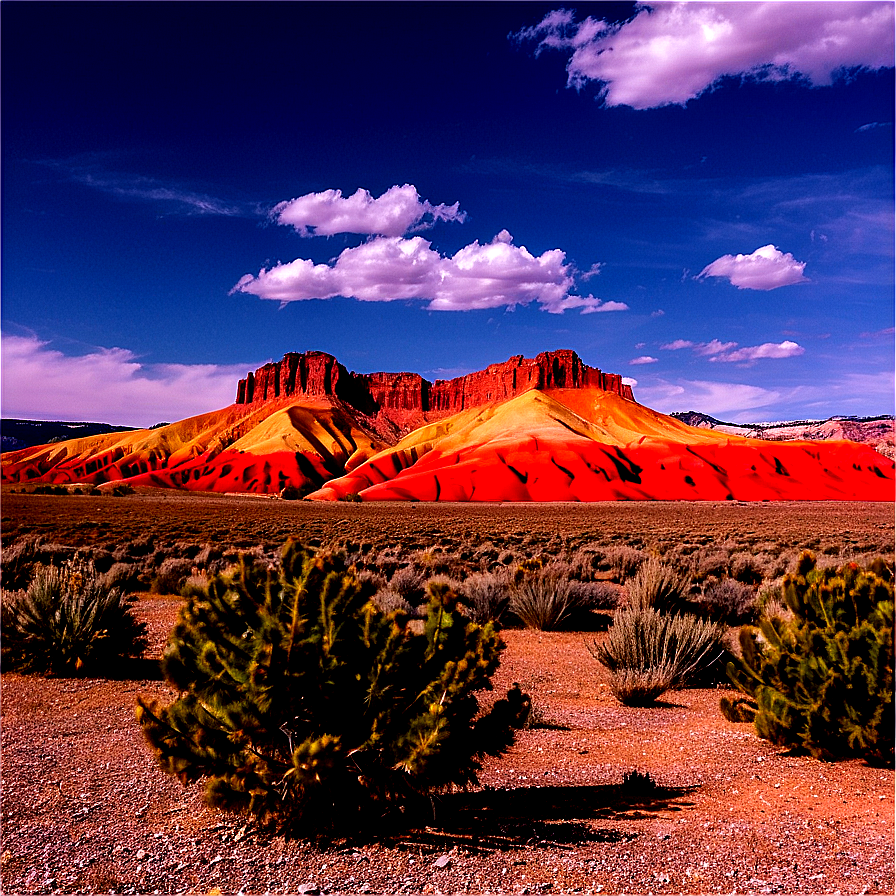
x,y
647,652
69,621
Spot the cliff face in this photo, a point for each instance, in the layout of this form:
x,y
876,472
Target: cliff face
x,y
320,374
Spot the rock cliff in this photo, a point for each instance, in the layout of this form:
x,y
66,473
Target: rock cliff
x,y
319,374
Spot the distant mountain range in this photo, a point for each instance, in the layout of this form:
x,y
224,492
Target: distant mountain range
x,y
17,434
549,428
878,432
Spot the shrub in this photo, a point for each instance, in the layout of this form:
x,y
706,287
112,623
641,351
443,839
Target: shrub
x,y
656,585
584,562
123,576
486,596
171,575
303,705
729,600
207,557
647,652
409,582
624,561
68,622
711,561
595,595
542,598
19,561
822,680
388,601
745,568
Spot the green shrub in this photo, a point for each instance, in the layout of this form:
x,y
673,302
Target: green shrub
x,y
305,706
821,680
68,622
657,585
647,652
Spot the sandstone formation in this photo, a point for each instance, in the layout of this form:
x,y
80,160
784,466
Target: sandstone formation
x,y
318,374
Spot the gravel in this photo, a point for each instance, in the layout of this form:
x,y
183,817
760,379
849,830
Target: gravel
x,y
85,809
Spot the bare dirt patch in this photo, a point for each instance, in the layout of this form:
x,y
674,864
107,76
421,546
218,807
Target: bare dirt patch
x,y
85,810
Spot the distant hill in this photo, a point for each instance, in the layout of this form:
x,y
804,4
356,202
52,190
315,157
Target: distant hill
x,y
878,432
18,434
544,429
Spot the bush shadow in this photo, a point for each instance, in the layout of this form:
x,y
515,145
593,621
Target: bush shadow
x,y
550,817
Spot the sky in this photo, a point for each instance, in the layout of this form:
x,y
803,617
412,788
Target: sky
x,y
697,196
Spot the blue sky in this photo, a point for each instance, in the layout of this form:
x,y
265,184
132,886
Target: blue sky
x,y
697,196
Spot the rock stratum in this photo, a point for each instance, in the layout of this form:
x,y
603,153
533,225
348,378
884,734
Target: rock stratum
x,y
544,429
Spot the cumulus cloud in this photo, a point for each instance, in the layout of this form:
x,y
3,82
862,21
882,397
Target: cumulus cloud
x,y
108,385
390,268
766,268
669,53
644,359
395,213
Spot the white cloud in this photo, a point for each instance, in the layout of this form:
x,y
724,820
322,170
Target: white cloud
x,y
108,385
644,359
784,349
766,268
386,269
716,350
669,53
713,347
173,197
395,213
706,397
629,381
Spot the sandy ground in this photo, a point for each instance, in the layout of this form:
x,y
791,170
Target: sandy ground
x,y
85,810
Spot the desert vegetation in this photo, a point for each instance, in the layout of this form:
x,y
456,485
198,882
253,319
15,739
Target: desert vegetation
x,y
658,602
302,704
820,678
68,621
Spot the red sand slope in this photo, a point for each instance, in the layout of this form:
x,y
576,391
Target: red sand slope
x,y
588,445
238,449
556,445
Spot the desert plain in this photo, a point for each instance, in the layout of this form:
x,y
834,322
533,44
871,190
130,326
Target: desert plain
x,y
86,810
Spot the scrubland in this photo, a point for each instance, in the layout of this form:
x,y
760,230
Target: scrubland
x,y
595,796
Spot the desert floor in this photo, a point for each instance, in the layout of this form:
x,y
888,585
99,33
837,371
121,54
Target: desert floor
x,y
85,810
